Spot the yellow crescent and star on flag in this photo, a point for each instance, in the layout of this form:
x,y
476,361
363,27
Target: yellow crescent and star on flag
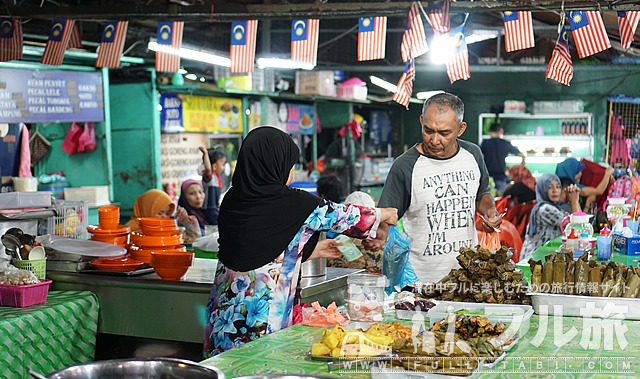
x,y
165,29
6,26
239,33
299,30
57,30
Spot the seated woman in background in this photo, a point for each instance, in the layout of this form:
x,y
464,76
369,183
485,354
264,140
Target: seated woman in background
x,y
572,168
521,174
155,203
546,215
267,230
192,200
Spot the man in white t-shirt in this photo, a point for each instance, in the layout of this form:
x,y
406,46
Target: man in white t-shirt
x,y
437,185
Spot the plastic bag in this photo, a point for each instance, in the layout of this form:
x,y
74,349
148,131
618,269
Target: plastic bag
x,y
318,315
15,276
489,240
70,143
87,140
207,243
396,265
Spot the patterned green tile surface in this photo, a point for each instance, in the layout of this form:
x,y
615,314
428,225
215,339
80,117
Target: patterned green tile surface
x,y
50,336
533,357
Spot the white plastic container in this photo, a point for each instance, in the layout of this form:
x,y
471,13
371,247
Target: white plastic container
x,y
18,200
515,317
366,297
25,184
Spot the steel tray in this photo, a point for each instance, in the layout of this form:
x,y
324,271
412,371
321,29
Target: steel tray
x,y
571,304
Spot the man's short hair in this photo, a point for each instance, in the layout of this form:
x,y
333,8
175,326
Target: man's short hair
x,y
215,155
495,127
446,100
330,187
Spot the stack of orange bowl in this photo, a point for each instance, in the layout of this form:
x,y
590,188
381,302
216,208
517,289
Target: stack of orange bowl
x,y
109,230
171,264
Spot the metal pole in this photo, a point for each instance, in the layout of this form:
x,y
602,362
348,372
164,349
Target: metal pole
x,y
606,157
106,99
314,137
498,48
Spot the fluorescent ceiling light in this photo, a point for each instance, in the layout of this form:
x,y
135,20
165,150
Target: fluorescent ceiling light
x,y
191,76
427,94
193,55
383,84
481,35
441,49
280,63
182,71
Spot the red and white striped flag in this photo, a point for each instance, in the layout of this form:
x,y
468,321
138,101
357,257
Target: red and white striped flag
x,y
304,42
627,23
10,39
518,31
243,45
414,42
372,38
405,85
59,36
560,67
75,42
113,36
438,12
169,43
458,65
588,32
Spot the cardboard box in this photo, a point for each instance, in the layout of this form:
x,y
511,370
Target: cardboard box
x,y
315,83
352,92
236,82
95,195
626,245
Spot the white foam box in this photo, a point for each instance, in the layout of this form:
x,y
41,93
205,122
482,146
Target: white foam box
x,y
352,92
315,83
95,195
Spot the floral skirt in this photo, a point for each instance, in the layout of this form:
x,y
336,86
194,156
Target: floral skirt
x,y
239,306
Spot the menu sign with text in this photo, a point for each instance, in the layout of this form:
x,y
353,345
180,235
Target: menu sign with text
x,y
50,96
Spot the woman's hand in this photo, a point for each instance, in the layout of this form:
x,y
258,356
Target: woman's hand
x,y
326,249
389,216
181,214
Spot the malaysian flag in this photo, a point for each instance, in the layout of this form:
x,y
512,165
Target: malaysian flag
x,y
627,23
75,42
243,45
113,36
588,32
438,12
414,43
560,67
518,31
372,38
10,39
405,85
169,42
304,42
458,65
58,41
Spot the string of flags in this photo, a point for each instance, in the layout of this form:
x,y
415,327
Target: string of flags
x,y
587,27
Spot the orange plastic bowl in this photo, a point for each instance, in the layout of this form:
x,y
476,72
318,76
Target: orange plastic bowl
x,y
117,240
144,254
161,231
156,241
171,258
157,221
171,273
109,223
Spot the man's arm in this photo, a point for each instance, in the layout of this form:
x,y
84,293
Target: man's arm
x,y
521,156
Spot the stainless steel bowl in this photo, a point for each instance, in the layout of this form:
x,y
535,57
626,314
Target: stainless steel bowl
x,y
152,368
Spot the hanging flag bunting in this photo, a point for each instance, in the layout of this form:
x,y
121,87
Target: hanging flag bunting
x,y
243,45
518,31
372,38
304,42
169,42
588,32
405,85
560,67
58,41
438,12
113,36
627,23
75,42
10,39
458,65
414,42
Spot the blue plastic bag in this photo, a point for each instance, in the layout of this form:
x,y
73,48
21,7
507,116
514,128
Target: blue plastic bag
x,y
396,265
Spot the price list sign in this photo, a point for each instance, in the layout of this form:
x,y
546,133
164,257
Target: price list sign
x,y
50,96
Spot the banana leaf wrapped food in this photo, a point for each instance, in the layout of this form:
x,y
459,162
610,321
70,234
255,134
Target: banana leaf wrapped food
x,y
608,282
594,288
618,288
569,289
536,277
634,285
582,275
559,271
547,276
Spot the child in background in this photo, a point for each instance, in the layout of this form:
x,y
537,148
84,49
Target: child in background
x,y
214,161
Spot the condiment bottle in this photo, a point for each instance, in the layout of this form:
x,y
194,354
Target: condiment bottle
x,y
583,241
572,240
605,231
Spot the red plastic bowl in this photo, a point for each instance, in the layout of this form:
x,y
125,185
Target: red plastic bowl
x,y
171,258
171,273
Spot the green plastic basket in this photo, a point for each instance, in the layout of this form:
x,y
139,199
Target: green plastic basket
x,y
37,266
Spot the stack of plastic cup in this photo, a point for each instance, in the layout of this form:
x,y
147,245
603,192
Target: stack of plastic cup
x,y
603,244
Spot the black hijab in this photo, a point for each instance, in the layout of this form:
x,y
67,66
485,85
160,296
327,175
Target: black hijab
x,y
260,214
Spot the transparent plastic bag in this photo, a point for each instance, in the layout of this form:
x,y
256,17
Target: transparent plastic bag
x,y
15,276
396,265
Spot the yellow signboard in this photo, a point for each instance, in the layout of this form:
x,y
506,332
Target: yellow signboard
x,y
211,114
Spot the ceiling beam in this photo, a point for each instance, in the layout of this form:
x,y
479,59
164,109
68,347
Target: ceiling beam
x,y
484,68
234,12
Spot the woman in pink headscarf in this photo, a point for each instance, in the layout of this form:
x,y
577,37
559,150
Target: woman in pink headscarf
x,y
192,199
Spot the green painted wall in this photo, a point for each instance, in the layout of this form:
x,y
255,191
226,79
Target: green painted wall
x,y
484,91
135,136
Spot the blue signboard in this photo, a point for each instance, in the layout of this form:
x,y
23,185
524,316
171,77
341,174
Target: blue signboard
x,y
50,96
171,113
381,128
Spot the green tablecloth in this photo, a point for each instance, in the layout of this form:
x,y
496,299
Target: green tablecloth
x,y
285,352
50,336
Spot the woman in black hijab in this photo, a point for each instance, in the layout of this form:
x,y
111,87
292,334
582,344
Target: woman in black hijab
x,y
266,231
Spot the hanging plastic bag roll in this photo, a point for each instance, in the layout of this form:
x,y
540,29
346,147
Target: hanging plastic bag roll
x,y
396,265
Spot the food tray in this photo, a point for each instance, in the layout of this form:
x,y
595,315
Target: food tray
x,y
24,296
439,312
143,270
571,304
17,200
378,372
